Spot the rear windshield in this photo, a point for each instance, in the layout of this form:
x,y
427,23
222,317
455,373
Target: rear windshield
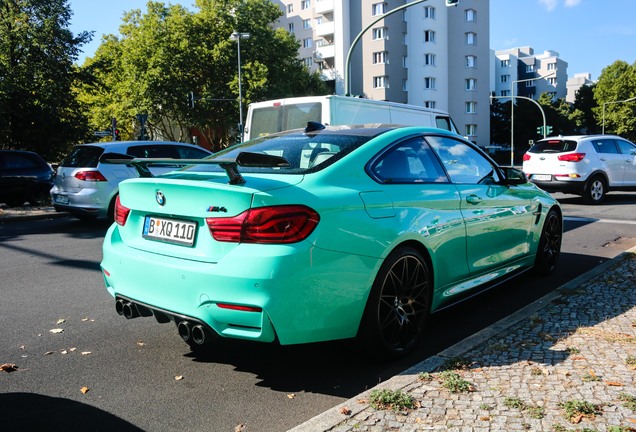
x,y
553,146
280,118
304,152
83,156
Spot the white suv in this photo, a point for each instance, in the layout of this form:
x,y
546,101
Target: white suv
x,y
587,165
86,187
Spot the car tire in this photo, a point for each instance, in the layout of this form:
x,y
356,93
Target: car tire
x,y
398,306
110,214
549,249
595,190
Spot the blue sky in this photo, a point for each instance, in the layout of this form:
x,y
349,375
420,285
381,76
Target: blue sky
x,y
588,34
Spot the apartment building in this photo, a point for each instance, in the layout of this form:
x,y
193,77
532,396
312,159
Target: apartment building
x,y
427,54
575,83
532,75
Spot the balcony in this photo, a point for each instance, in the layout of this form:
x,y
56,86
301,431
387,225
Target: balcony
x,y
326,51
325,29
323,6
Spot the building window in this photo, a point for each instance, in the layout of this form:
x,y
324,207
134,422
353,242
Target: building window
x,y
378,9
305,4
470,15
429,59
505,93
429,12
505,63
306,24
308,61
552,81
429,104
471,107
405,84
429,36
290,8
505,78
380,33
471,61
291,27
471,129
471,84
307,43
404,60
429,83
552,66
380,82
471,38
530,68
379,57
529,83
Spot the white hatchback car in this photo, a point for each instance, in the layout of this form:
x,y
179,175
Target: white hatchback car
x,y
586,165
86,186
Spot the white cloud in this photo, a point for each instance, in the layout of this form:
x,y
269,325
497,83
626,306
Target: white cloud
x,y
550,5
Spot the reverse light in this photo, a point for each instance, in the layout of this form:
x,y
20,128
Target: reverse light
x,y
572,157
271,225
121,212
94,176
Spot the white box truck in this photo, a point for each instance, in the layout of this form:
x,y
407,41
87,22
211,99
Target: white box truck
x,y
267,117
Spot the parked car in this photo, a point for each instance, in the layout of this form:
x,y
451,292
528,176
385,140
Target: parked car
x,y
86,184
24,176
323,234
589,165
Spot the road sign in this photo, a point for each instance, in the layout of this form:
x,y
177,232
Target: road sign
x,y
102,133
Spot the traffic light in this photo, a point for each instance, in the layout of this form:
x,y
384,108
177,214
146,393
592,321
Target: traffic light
x,y
451,2
548,130
117,137
540,130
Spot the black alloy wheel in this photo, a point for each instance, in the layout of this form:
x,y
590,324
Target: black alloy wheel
x,y
549,249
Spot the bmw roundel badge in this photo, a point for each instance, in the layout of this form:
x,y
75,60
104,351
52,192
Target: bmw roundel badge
x,y
161,198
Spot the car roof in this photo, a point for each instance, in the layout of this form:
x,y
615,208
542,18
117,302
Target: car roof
x,y
107,144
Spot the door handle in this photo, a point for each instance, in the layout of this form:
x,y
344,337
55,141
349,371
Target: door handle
x,y
473,199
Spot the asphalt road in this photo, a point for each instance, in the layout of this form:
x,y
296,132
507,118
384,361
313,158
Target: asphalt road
x,y
138,375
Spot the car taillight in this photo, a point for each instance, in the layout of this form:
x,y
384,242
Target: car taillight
x,y
276,224
121,212
94,176
526,157
572,157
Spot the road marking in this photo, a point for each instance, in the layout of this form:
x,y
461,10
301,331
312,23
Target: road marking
x,y
585,219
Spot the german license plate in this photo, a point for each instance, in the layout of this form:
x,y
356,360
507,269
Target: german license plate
x,y
169,230
60,199
542,177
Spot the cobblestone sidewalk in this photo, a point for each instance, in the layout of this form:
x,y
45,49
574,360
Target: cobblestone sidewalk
x,y
568,366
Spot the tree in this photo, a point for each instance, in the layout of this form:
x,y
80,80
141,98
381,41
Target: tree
x,y
617,83
583,114
38,109
167,52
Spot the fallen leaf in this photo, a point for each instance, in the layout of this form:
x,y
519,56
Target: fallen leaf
x,y
8,367
614,383
141,343
577,419
60,321
291,396
87,352
631,420
72,349
22,347
484,418
239,427
362,401
84,390
64,351
48,353
178,377
56,330
346,411
577,357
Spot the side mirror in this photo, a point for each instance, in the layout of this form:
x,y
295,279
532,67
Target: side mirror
x,y
513,176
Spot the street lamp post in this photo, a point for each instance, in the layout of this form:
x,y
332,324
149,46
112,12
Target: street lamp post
x,y
237,36
613,102
512,113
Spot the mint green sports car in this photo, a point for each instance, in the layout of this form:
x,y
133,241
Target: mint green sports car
x,y
322,234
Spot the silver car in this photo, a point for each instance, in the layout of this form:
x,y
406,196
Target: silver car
x,y
86,186
588,165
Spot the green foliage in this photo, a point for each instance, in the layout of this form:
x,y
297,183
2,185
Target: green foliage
x,y
396,400
629,401
38,108
454,383
166,52
577,409
615,86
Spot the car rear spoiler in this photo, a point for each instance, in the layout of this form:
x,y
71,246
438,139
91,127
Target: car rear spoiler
x,y
230,166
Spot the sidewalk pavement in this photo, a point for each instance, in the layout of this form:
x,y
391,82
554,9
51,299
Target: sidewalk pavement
x,y
564,363
8,214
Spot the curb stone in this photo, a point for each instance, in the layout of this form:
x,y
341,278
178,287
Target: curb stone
x,y
334,419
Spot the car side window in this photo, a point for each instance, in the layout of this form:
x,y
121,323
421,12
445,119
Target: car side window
x,y
463,163
626,148
606,146
411,161
153,151
191,153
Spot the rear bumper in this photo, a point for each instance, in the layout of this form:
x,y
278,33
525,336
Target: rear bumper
x,y
294,293
573,187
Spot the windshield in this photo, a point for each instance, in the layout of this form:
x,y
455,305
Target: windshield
x,y
277,118
553,146
305,152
